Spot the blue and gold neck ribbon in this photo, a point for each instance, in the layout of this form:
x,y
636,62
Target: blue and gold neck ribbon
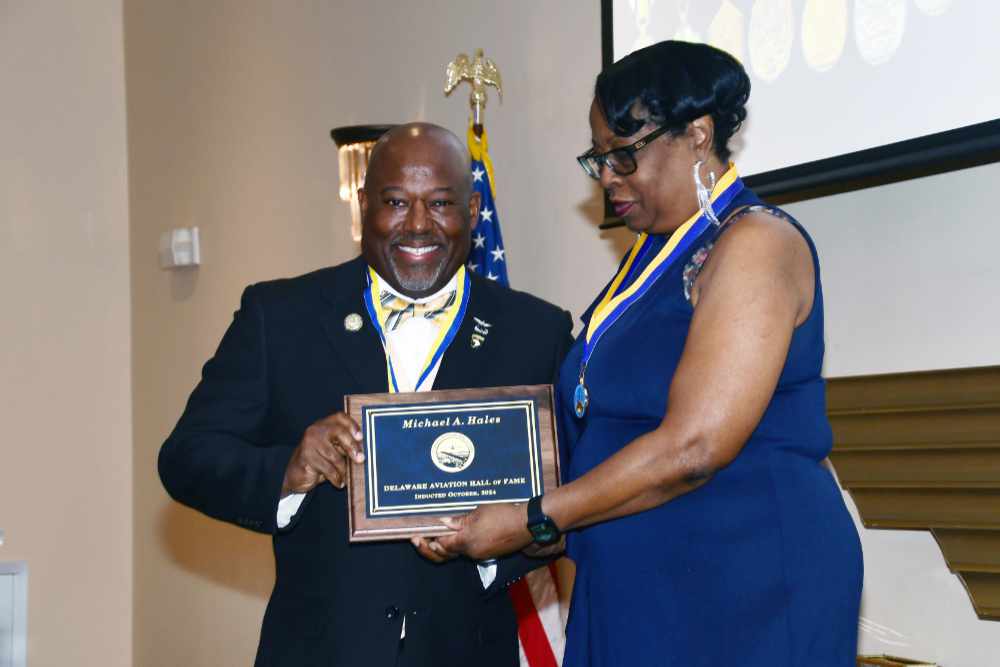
x,y
447,328
627,287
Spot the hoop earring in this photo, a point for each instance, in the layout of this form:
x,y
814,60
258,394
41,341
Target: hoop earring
x,y
705,194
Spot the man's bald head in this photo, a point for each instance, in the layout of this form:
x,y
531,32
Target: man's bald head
x,y
405,142
417,208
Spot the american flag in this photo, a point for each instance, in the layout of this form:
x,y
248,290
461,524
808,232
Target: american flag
x,y
541,627
487,255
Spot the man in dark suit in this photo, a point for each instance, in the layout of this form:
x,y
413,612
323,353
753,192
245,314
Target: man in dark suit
x,y
264,431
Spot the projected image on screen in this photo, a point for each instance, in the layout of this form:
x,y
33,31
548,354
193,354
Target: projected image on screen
x,y
837,76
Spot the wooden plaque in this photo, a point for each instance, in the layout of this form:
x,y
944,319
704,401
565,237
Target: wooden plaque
x,y
440,453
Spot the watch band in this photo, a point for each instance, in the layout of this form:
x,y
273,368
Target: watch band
x,y
543,529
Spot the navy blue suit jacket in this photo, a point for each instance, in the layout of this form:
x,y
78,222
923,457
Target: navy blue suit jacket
x,y
286,361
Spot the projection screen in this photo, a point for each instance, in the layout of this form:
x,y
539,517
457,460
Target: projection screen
x,y
841,89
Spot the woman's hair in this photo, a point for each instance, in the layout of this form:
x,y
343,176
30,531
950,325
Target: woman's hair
x,y
671,84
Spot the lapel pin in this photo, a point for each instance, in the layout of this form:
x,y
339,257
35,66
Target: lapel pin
x,y
353,322
481,326
480,330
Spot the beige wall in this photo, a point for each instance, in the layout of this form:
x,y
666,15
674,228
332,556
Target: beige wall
x,y
230,104
65,470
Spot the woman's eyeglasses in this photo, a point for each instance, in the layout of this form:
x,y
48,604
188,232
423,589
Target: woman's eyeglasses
x,y
619,160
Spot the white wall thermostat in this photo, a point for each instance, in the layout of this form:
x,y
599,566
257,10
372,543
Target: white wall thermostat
x,y
179,248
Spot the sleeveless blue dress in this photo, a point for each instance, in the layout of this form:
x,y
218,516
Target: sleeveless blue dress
x,y
759,567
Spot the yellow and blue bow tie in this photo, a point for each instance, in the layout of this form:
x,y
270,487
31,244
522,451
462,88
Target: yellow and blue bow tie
x,y
398,310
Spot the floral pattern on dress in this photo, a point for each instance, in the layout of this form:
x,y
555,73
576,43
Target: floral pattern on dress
x,y
693,268
700,256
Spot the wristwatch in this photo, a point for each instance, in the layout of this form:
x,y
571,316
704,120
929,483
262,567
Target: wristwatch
x,y
543,529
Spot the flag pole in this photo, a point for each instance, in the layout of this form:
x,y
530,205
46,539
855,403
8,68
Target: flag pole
x,y
535,597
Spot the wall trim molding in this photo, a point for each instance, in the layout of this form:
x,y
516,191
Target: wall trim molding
x,y
921,451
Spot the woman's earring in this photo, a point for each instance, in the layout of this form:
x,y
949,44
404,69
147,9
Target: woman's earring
x,y
705,194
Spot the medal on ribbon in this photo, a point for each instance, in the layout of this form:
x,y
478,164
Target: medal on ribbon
x,y
626,288
449,326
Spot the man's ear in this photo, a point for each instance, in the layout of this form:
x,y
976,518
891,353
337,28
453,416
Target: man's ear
x,y
475,199
363,201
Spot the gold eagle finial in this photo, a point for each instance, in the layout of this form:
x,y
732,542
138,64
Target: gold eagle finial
x,y
480,72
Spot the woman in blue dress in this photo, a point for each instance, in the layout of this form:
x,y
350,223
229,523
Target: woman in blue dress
x,y
702,521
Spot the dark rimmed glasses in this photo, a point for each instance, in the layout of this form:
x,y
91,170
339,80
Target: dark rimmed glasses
x,y
619,160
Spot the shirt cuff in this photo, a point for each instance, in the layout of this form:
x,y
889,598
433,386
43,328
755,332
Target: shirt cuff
x,y
288,506
487,572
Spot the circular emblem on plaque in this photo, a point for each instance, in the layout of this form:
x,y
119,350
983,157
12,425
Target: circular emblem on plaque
x,y
353,322
452,452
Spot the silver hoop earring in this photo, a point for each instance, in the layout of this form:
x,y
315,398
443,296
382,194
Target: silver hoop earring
x,y
705,194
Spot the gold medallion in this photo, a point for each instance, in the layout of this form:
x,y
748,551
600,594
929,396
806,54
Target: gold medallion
x,y
726,31
772,35
824,33
878,28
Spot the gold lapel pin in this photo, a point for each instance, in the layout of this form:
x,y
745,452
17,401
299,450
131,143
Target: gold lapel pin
x,y
480,329
353,322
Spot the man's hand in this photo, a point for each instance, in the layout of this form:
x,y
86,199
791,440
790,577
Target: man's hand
x,y
538,551
431,549
322,454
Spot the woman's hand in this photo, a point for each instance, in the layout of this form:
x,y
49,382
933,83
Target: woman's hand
x,y
488,532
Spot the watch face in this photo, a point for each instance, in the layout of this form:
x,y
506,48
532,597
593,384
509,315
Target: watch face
x,y
543,529
544,533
